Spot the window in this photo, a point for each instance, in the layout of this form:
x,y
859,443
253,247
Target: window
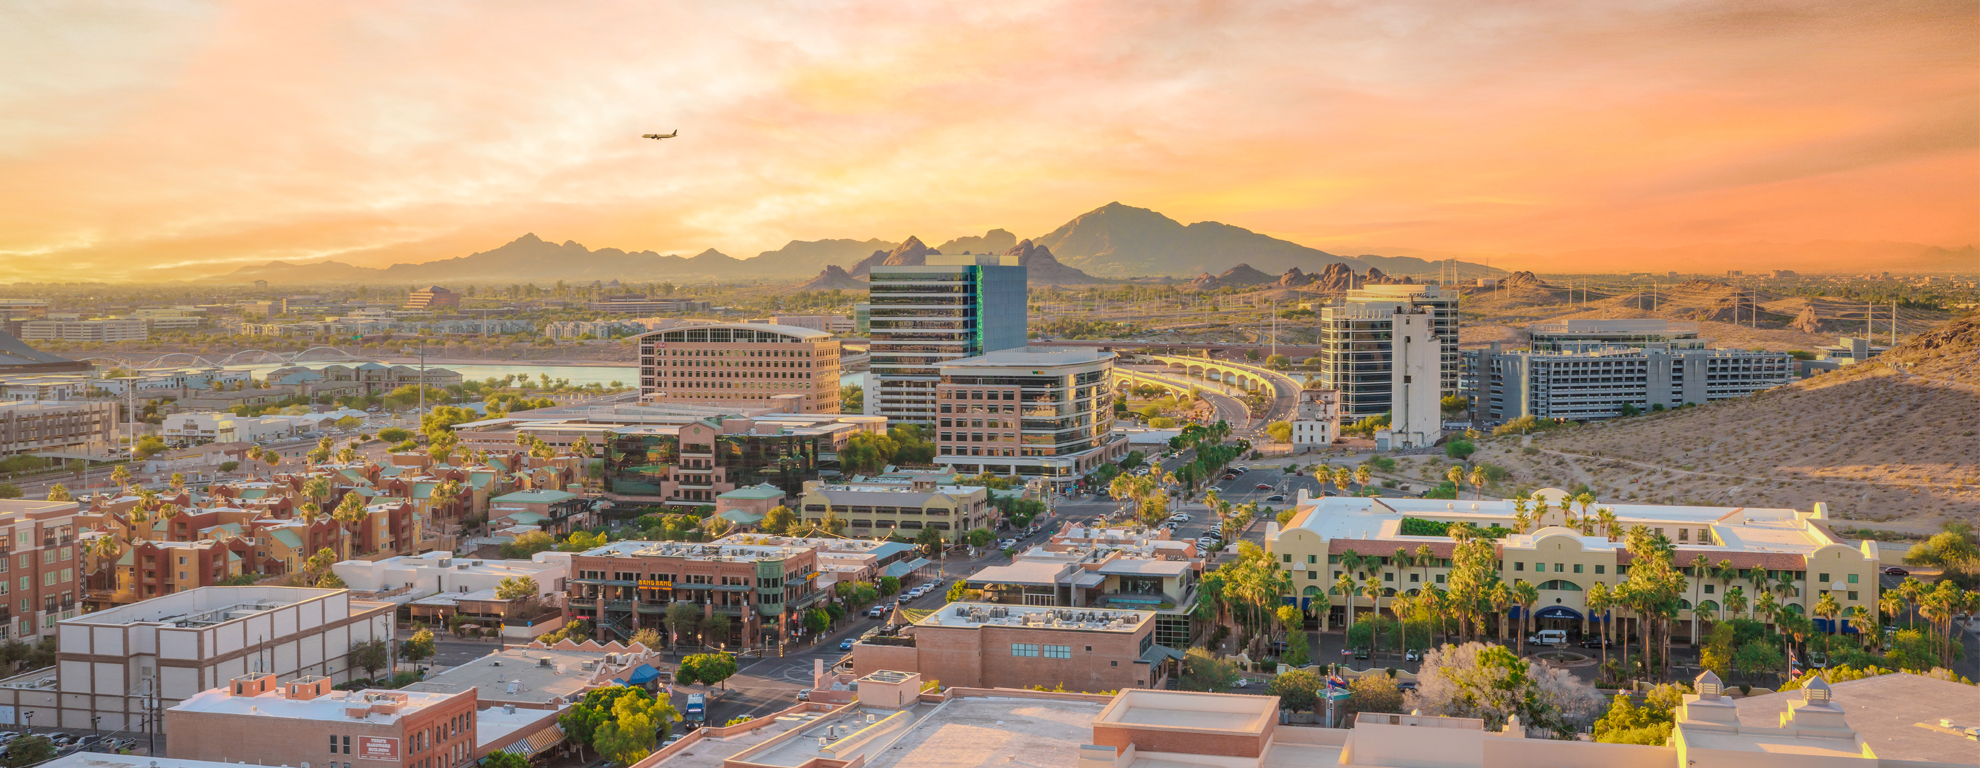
x,y
1519,566
1599,569
333,745
1708,588
1058,651
1029,650
1824,578
1560,568
1852,594
1440,578
1852,580
1415,577
1312,575
1577,567
1312,559
1286,558
347,745
1089,649
1113,663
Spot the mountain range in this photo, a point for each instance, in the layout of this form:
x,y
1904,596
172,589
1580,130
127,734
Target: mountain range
x,y
1113,241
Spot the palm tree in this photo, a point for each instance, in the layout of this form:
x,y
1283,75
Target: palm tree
x,y
1520,504
1736,601
1826,608
1341,477
1502,599
1913,592
1892,605
1344,586
349,512
1477,481
1724,573
1362,475
1860,616
1582,521
120,476
1597,602
1456,477
1527,596
1765,606
1700,567
1372,588
1425,557
1607,517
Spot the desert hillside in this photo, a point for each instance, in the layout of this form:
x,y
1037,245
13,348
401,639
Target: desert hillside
x,y
1894,443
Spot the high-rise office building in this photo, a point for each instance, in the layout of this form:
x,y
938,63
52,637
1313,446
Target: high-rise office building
x,y
745,364
1357,353
1030,412
923,316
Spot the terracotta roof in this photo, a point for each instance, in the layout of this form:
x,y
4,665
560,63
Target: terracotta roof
x,y
1387,548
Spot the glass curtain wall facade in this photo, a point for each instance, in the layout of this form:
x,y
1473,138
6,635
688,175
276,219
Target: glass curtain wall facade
x,y
1355,350
923,316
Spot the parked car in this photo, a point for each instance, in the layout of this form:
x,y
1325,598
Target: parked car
x,y
1412,655
1263,486
1242,682
1276,497
804,695
876,612
846,644
1361,653
1896,571
1593,641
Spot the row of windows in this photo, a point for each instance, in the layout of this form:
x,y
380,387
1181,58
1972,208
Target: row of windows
x,y
1031,650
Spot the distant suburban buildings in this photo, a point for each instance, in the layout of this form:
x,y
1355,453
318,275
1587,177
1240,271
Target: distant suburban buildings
x,y
371,378
1043,412
647,305
572,330
923,316
433,298
1392,349
99,330
744,364
835,324
1586,370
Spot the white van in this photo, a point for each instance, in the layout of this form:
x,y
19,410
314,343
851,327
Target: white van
x,y
1548,637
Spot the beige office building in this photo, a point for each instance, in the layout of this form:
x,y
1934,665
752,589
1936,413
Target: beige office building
x,y
748,365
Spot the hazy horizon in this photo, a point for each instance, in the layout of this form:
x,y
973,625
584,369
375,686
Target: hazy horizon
x,y
177,140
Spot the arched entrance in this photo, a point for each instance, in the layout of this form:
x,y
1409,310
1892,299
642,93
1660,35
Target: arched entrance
x,y
1558,617
1309,596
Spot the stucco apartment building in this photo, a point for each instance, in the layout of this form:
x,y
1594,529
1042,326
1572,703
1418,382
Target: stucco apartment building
x,y
176,645
1790,553
27,425
761,589
41,577
987,645
886,509
305,721
741,363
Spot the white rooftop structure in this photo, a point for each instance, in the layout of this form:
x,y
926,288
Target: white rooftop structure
x,y
433,572
977,615
382,707
712,551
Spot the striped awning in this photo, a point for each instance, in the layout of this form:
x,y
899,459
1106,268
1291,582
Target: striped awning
x,y
536,742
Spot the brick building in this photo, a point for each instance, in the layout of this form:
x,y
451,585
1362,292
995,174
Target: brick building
x,y
625,586
305,721
40,566
27,426
984,645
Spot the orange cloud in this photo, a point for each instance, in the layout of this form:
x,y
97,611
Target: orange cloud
x,y
178,141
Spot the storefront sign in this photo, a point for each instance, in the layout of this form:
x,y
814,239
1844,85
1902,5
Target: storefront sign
x,y
648,584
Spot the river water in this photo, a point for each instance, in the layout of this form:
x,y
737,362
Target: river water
x,y
603,375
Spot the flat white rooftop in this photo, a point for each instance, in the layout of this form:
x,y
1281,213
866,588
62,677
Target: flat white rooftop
x,y
1355,517
711,551
333,707
206,605
975,615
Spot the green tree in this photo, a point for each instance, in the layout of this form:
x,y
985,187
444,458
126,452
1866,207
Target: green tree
x,y
29,750
627,736
1204,672
394,435
852,399
370,656
1374,693
683,619
1279,431
504,760
778,520
585,720
1297,689
516,588
711,668
978,537
889,586
419,647
1455,404
1459,449
930,540
58,492
528,544
1627,723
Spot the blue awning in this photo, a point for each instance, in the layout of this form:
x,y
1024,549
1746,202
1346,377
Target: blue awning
x,y
1557,612
643,675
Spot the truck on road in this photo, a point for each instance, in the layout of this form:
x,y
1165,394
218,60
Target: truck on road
x,y
697,709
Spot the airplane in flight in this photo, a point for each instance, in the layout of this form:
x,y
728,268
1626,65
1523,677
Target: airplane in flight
x,y
676,132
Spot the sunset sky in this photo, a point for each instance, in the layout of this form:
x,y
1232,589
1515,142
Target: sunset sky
x,y
170,140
